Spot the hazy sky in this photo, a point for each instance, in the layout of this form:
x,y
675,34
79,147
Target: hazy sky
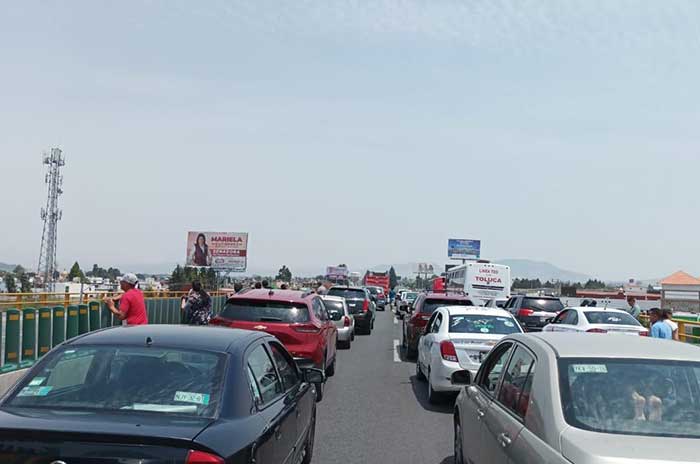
x,y
363,132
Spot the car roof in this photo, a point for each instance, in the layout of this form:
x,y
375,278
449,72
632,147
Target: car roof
x,y
346,287
480,310
291,296
208,338
541,297
447,296
598,309
580,345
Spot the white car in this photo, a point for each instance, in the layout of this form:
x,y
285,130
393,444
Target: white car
x,y
458,338
596,320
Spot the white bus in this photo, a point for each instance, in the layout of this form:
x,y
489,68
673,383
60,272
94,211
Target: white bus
x,y
479,279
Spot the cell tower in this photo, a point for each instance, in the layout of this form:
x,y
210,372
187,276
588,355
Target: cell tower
x,y
51,214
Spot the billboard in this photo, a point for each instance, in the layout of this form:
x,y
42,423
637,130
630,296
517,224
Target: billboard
x,y
337,272
225,251
463,249
425,268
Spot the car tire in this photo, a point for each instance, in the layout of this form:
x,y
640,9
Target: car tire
x,y
344,345
319,391
330,370
309,445
458,445
411,353
433,396
419,372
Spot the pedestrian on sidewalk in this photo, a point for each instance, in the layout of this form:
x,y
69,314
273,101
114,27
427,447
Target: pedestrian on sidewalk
x,y
132,306
634,308
196,306
659,328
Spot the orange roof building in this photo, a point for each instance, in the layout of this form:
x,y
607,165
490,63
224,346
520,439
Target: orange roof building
x,y
680,278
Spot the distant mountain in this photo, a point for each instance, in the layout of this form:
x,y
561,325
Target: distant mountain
x,y
7,267
528,269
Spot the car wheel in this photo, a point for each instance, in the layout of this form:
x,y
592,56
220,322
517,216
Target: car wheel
x,y
459,448
330,370
433,396
419,371
309,446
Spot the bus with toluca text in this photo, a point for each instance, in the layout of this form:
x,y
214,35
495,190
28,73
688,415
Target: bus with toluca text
x,y
479,279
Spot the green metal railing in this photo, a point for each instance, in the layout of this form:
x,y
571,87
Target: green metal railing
x,y
29,332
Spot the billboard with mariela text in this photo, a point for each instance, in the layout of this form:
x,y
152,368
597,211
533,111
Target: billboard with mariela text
x,y
222,251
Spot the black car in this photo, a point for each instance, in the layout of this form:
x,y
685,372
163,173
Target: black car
x,y
379,297
162,394
360,306
533,312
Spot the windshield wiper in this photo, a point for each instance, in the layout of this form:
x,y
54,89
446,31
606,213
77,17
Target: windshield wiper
x,y
270,319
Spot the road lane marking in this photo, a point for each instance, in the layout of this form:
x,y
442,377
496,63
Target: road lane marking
x,y
397,358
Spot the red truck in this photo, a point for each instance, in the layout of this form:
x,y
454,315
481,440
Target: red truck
x,y
378,279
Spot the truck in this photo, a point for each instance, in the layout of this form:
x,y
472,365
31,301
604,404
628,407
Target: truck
x,y
480,279
377,279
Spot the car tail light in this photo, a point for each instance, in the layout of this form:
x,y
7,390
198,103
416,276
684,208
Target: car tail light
x,y
346,321
305,328
525,312
643,333
200,457
365,306
597,331
448,352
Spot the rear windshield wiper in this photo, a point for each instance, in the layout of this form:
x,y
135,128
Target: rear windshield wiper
x,y
270,319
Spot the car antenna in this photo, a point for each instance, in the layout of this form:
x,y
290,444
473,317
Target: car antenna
x,y
149,341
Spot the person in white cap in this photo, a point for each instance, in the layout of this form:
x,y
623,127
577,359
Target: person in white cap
x,y
132,306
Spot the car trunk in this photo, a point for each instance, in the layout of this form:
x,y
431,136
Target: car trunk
x,y
42,437
290,334
585,446
473,347
620,329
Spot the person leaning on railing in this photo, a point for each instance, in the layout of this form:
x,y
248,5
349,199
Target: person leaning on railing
x,y
132,306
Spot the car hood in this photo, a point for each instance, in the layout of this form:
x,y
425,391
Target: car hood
x,y
584,447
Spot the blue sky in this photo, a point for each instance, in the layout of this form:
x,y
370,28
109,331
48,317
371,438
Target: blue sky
x,y
358,132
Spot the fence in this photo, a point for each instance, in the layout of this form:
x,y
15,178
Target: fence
x,y
36,324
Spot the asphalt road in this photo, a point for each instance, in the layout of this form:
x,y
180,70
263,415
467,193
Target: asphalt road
x,y
376,411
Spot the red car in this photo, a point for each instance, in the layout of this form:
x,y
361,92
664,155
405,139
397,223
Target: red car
x,y
419,315
299,320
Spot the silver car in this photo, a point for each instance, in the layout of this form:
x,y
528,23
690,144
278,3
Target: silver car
x,y
342,318
581,399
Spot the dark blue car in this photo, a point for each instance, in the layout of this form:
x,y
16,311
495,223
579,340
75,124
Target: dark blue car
x,y
162,394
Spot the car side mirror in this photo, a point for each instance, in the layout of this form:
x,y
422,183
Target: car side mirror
x,y
461,378
312,375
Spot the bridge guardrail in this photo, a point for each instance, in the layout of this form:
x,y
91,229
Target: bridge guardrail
x,y
30,330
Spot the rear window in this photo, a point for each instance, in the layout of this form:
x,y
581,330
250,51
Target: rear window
x,y
604,317
481,324
410,296
542,304
431,304
265,311
335,309
108,378
350,293
373,290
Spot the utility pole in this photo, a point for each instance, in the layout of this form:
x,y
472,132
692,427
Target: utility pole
x,y
51,214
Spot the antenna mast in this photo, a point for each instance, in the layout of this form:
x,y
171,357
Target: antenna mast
x,y
51,214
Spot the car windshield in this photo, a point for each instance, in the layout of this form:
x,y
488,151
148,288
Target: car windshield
x,y
610,318
541,304
265,311
636,397
482,324
349,293
335,309
108,378
432,304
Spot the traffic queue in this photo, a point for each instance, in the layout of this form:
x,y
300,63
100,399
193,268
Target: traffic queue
x,y
531,380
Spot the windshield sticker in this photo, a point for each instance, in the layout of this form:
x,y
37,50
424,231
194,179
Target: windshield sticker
x,y
590,368
484,330
35,391
195,398
37,381
508,324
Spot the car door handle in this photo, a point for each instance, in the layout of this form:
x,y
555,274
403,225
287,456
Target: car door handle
x,y
504,440
480,413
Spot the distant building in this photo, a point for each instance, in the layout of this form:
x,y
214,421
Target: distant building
x,y
681,292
